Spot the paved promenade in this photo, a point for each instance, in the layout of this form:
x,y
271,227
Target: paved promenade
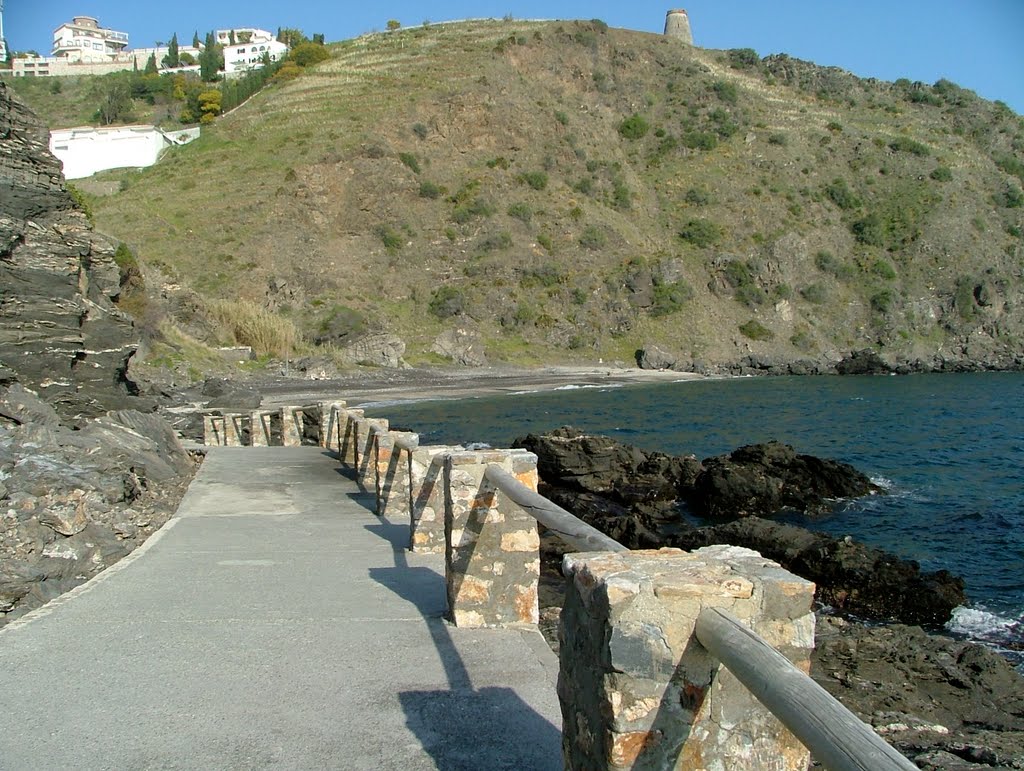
x,y
275,622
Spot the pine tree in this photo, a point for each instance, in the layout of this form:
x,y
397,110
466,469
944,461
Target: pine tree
x,y
172,59
195,39
151,68
209,59
231,38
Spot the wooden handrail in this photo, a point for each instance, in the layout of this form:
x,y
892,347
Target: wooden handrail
x,y
567,526
836,737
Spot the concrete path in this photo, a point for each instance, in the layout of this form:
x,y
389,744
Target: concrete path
x,y
276,622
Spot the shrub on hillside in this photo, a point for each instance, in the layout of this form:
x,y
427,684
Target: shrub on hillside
x,y
908,145
306,54
593,238
701,233
841,195
634,127
869,230
725,91
755,330
447,301
478,207
409,160
521,211
430,190
942,174
670,298
538,180
743,58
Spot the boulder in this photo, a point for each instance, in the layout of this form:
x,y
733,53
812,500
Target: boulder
x,y
376,350
653,357
230,395
463,345
21,405
761,479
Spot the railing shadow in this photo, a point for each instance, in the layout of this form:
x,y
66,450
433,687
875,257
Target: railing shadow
x,y
462,726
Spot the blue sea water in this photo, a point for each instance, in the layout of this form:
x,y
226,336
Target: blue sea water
x,y
948,448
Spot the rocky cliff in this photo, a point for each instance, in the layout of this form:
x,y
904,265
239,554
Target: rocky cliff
x,y
59,329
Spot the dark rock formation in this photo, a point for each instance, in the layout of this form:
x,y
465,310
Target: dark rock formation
x,y
761,479
864,362
653,357
59,329
850,577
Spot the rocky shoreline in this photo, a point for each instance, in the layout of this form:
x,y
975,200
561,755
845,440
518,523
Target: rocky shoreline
x,y
945,703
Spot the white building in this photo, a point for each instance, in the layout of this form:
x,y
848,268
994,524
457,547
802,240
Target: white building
x,y
248,50
84,151
84,40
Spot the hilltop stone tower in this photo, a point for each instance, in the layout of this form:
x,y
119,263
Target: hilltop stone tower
x,y
677,25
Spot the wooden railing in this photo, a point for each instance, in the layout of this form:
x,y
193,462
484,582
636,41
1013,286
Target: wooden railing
x,y
416,481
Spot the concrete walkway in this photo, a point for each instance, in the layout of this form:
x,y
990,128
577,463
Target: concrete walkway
x,y
276,622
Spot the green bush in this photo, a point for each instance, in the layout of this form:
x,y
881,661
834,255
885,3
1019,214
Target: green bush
x,y
701,233
548,275
545,241
478,207
743,58
869,230
410,160
622,199
447,301
390,237
883,269
495,242
501,162
697,196
593,238
305,54
81,202
841,195
561,117
778,139
521,211
963,298
725,91
882,302
538,180
908,145
420,130
430,190
700,140
634,127
834,126
751,295
816,293
942,174
341,323
755,330
1010,198
585,186
669,298
738,273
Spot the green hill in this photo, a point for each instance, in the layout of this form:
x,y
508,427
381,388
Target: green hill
x,y
565,191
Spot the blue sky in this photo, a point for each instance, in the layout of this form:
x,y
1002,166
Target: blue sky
x,y
979,45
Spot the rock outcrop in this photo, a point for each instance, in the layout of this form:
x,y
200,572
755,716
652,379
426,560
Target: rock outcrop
x,y
638,498
59,329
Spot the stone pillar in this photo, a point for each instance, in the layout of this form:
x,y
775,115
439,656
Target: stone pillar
x,y
492,555
332,414
232,430
639,692
426,499
366,460
213,430
392,473
350,439
291,426
260,428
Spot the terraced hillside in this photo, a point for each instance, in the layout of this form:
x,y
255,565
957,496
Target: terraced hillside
x,y
564,192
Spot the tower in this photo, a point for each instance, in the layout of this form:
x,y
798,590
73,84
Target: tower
x,y
3,42
677,25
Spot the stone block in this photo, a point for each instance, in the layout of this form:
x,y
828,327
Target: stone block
x,y
426,499
638,690
291,426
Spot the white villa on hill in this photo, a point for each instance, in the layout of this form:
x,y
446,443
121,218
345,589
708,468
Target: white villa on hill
x,y
85,150
84,40
248,50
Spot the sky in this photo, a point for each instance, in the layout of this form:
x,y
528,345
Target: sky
x,y
978,44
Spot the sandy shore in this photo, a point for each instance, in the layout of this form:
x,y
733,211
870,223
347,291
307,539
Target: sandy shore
x,y
380,385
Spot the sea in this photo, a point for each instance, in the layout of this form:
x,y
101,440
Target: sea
x,y
947,448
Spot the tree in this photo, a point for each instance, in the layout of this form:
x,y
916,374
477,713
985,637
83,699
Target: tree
x,y
318,38
151,68
231,38
306,54
195,39
116,104
394,24
211,59
172,59
291,37
209,105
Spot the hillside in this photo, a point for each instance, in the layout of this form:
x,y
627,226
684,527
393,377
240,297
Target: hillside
x,y
563,192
